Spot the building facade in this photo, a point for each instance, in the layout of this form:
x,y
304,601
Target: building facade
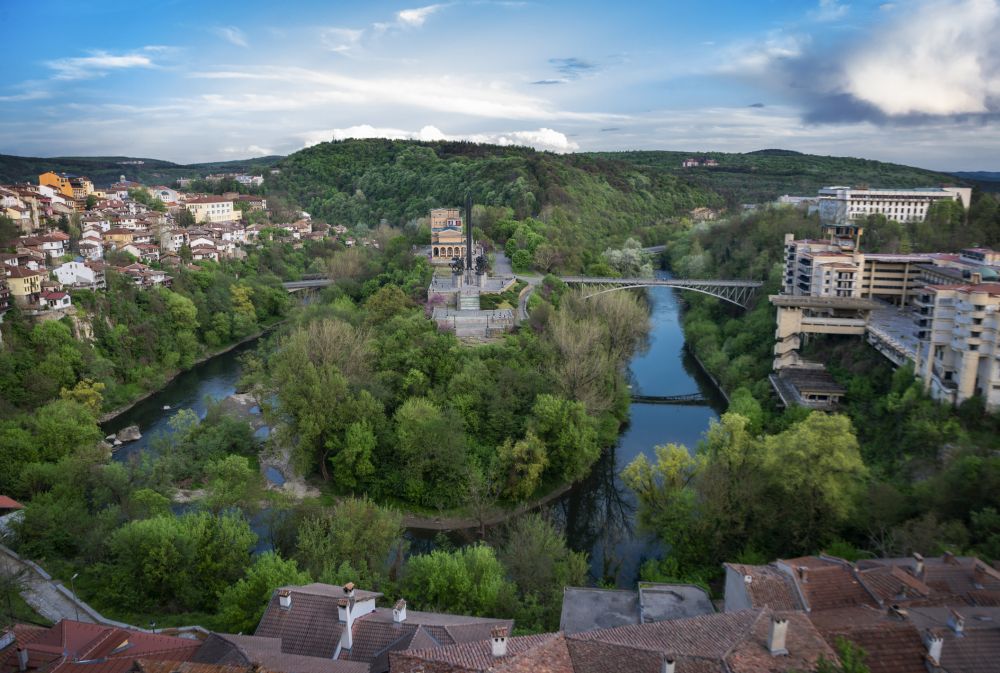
x,y
843,204
958,327
447,235
211,209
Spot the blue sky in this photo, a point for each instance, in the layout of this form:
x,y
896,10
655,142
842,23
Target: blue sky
x,y
914,81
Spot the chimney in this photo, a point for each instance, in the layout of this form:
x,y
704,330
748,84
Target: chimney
x,y
956,623
918,568
949,557
776,636
499,636
668,665
934,644
347,619
22,659
349,589
399,611
285,599
803,574
897,612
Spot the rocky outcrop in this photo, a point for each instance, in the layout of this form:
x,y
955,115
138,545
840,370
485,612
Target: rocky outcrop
x,y
129,434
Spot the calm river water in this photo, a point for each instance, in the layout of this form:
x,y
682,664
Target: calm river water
x,y
598,514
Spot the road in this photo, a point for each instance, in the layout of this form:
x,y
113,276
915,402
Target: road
x,y
501,265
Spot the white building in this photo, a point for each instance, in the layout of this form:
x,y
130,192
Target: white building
x,y
79,275
842,204
959,329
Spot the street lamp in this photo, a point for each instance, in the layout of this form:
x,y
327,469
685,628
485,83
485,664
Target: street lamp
x,y
76,599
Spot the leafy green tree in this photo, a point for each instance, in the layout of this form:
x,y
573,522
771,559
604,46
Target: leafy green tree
x,y
178,563
541,565
469,581
524,462
569,434
852,659
816,463
352,466
366,536
432,450
232,483
242,605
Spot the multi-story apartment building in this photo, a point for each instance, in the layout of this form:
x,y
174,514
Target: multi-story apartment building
x,y
953,299
958,326
211,209
844,204
73,186
825,268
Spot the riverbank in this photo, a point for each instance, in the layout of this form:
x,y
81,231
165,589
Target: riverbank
x,y
115,413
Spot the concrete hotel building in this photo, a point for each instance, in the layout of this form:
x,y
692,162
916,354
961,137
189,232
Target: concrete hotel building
x,y
958,326
841,204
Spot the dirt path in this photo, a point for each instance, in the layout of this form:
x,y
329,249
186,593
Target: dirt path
x,y
495,518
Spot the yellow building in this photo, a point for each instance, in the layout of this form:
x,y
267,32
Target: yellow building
x,y
212,209
72,186
24,284
58,181
447,235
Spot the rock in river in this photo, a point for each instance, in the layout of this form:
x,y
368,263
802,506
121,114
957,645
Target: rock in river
x,y
129,434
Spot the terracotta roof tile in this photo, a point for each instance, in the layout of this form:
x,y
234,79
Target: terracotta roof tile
x,y
768,587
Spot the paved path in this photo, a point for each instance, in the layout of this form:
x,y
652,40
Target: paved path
x,y
501,265
42,594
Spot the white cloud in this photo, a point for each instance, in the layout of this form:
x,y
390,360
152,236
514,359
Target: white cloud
x,y
758,58
830,10
33,94
340,40
249,151
293,87
233,35
96,65
416,17
939,59
542,139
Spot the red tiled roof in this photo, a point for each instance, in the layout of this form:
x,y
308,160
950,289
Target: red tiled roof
x,y
9,503
768,587
478,656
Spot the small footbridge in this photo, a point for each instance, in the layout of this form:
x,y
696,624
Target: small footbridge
x,y
691,399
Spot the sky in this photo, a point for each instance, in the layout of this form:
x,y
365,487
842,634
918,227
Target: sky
x,y
910,81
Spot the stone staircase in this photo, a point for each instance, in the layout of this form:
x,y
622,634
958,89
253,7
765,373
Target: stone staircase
x,y
468,301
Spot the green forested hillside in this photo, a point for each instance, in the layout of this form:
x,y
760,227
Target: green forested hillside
x,y
104,171
365,181
764,175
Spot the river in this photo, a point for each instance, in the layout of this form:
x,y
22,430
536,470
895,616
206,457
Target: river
x,y
598,514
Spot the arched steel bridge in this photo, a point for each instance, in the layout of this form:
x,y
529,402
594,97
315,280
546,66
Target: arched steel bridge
x,y
738,292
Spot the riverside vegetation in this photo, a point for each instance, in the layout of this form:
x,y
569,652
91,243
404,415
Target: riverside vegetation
x,y
894,473
425,424
421,422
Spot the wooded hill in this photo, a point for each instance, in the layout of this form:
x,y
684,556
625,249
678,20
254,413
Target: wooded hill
x,y
104,171
764,175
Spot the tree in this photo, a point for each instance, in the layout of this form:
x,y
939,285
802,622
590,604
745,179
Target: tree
x,y
468,581
852,659
178,563
523,463
185,218
569,434
817,464
432,450
541,565
87,393
242,605
231,483
366,536
61,426
352,465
